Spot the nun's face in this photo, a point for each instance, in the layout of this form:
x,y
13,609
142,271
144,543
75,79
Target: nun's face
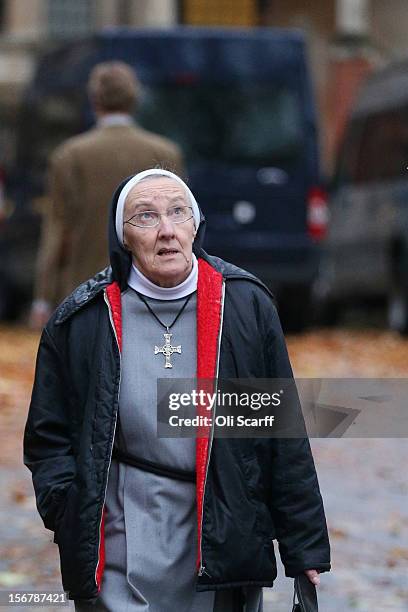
x,y
162,253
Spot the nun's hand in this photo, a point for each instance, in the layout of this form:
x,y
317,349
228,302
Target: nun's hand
x,y
313,576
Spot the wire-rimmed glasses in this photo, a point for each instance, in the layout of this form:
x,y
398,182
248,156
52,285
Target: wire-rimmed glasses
x,y
151,218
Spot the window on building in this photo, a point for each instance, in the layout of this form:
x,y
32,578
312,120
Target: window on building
x,y
70,18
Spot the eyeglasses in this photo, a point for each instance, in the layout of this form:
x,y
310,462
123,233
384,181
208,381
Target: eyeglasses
x,y
151,218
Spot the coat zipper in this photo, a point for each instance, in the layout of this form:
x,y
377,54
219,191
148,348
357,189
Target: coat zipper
x,y
202,569
114,426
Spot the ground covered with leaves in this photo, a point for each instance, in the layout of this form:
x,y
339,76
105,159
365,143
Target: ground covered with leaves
x,y
363,481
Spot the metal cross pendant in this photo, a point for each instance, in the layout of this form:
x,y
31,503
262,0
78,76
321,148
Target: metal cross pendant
x,y
167,349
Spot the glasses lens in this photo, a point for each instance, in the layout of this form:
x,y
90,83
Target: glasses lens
x,y
178,214
147,218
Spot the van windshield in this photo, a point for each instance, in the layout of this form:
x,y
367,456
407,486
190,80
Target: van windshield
x,y
251,124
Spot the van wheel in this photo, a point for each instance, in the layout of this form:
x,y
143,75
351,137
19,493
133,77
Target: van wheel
x,y
397,312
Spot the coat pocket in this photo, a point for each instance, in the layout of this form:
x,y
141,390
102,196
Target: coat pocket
x,y
68,534
264,523
60,512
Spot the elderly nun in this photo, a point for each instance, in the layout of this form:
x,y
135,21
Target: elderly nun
x,y
154,524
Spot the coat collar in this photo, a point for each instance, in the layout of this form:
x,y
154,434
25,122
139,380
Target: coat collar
x,y
82,295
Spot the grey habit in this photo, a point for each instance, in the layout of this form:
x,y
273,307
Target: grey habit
x,y
151,523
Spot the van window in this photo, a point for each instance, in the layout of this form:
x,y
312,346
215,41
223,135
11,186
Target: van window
x,y
255,124
376,148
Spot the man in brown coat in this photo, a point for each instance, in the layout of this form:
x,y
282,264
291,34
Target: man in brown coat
x,y
83,174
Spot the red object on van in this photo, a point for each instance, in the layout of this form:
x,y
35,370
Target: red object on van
x,y
317,213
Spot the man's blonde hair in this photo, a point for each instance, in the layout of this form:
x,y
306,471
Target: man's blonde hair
x,y
113,87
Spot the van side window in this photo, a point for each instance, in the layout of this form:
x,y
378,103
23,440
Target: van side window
x,y
376,148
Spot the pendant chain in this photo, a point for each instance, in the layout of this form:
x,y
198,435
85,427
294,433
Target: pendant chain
x,y
150,309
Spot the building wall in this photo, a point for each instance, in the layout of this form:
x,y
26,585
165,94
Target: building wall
x,y
24,19
294,13
156,13
27,19
107,13
220,12
389,26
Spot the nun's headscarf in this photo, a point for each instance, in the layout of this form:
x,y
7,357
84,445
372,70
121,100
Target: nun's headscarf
x,y
136,179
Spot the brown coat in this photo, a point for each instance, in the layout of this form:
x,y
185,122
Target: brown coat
x,y
83,174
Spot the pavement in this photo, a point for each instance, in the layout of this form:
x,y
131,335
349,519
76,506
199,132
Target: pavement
x,y
363,482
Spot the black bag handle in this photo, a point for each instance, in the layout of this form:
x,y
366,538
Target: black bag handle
x,y
305,592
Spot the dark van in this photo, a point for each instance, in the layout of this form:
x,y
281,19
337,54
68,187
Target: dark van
x,y
366,258
239,103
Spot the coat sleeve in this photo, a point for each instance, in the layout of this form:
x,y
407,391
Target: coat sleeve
x,y
48,452
296,504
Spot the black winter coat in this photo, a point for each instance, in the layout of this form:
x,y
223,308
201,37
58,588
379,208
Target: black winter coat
x,y
249,492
